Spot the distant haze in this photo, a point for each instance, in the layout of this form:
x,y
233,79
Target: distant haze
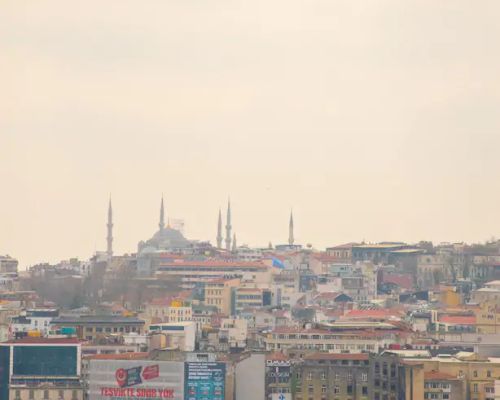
x,y
375,120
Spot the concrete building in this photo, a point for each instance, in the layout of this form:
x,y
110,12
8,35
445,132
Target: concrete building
x,y
327,376
297,341
249,298
476,374
218,294
378,253
8,265
250,377
278,375
234,331
34,320
384,377
192,272
89,327
341,253
40,368
181,335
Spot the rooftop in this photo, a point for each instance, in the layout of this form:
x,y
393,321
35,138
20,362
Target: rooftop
x,y
122,356
438,376
97,319
39,340
336,356
277,356
213,264
458,320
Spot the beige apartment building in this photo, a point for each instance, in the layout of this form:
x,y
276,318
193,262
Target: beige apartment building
x,y
218,294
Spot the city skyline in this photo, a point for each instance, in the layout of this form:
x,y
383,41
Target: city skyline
x,y
109,234
367,125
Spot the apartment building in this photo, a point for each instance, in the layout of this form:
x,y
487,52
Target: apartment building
x,y
327,376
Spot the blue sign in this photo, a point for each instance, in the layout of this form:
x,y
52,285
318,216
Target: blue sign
x,y
204,381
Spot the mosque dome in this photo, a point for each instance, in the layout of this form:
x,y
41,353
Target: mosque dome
x,y
166,238
169,238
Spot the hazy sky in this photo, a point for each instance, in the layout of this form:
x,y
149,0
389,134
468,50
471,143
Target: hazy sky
x,y
375,120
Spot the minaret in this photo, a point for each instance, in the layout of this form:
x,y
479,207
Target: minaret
x,y
290,230
110,230
228,226
161,225
235,247
219,231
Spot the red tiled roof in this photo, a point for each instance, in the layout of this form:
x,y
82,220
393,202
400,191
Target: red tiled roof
x,y
277,356
402,280
337,356
458,320
212,263
122,356
438,376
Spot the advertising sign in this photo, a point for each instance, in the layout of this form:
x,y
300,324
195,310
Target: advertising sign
x,y
136,379
204,380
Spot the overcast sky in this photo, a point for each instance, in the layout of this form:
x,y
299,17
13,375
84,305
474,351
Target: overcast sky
x,y
375,120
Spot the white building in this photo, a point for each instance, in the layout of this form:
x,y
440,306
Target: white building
x,y
34,320
235,330
181,335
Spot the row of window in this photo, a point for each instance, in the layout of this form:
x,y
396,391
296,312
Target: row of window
x,y
47,395
109,329
323,376
437,396
328,346
213,292
436,385
292,336
336,389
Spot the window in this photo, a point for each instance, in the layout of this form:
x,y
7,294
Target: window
x,y
46,394
393,370
336,389
349,389
74,395
61,394
18,395
31,394
309,376
310,389
364,390
488,374
364,377
323,389
474,388
475,374
323,376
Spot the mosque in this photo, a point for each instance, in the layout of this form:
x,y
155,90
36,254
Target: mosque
x,y
166,238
